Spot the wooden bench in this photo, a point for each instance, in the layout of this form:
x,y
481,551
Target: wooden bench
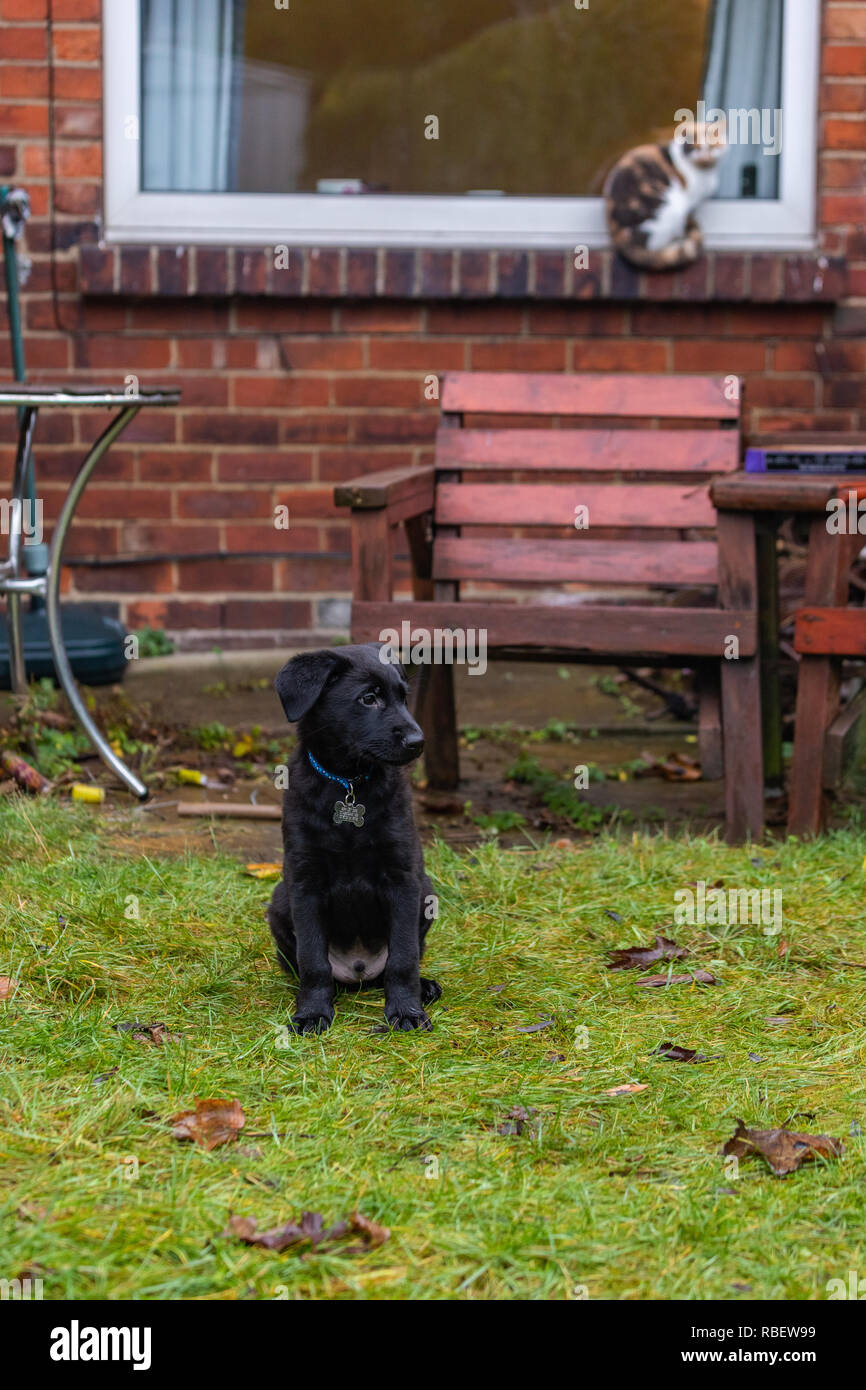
x,y
496,511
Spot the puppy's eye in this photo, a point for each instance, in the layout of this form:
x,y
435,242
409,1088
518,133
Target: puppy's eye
x,y
369,698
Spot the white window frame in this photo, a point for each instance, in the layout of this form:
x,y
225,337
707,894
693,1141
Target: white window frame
x,y
304,219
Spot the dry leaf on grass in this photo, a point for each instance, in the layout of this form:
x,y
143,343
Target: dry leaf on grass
x,y
7,987
517,1120
31,1211
628,1088
213,1122
310,1231
148,1032
264,870
639,957
697,977
783,1149
680,1054
104,1076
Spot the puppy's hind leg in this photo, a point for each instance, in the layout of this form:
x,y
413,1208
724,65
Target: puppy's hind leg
x,y
279,915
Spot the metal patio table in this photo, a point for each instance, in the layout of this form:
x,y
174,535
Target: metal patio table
x,y
14,581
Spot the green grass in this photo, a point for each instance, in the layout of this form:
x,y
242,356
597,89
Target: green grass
x,y
627,1196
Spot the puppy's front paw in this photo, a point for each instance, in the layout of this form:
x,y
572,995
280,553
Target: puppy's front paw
x,y
312,1022
406,1018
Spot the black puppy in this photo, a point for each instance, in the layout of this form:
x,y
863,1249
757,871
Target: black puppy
x,y
354,904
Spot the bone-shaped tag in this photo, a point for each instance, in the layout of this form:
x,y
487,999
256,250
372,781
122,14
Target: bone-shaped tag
x,y
348,813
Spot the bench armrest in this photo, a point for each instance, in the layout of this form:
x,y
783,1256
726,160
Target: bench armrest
x,y
403,492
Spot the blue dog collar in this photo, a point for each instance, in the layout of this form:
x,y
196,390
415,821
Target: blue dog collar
x,y
332,776
348,812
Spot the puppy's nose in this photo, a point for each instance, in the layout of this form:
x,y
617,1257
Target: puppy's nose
x,y
359,966
414,742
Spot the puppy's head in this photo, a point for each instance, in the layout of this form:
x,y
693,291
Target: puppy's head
x,y
350,708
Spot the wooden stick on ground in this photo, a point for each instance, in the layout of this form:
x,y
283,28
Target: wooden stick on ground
x,y
242,809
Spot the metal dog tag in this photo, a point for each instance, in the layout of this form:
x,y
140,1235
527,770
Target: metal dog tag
x,y
348,812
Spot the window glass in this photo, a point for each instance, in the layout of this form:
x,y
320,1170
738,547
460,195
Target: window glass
x,y
521,97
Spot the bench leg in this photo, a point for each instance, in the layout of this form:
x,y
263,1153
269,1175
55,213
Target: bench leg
x,y
741,685
437,716
768,627
817,704
818,680
744,782
710,725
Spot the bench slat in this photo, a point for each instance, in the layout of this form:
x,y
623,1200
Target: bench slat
x,y
582,629
601,451
830,632
588,393
672,505
578,561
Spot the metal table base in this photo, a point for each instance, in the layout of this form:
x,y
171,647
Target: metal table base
x,y
15,583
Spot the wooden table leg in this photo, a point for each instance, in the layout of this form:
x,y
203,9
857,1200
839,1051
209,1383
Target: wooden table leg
x,y
818,681
741,684
768,632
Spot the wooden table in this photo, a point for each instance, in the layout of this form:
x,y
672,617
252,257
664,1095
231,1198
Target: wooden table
x,y
767,499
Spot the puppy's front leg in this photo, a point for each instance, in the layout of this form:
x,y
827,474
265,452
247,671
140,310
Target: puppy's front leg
x,y
403,1008
315,1006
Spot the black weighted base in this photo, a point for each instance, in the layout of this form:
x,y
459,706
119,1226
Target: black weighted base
x,y
94,644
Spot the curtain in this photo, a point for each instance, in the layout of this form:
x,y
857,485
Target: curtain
x,y
743,71
190,73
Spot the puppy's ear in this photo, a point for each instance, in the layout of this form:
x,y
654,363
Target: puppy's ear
x,y
302,680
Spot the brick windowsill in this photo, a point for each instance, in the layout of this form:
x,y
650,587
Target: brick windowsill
x,y
214,272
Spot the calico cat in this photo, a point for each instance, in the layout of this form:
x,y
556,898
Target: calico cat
x,y
651,195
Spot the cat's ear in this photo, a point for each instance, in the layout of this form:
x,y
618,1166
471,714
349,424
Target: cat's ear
x,y
302,680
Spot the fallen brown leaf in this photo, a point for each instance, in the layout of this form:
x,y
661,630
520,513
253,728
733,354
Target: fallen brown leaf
x,y
516,1121
31,1211
264,870
311,1230
698,977
213,1122
148,1032
783,1149
104,1076
7,987
678,1054
371,1233
627,1089
281,1237
155,1033
639,957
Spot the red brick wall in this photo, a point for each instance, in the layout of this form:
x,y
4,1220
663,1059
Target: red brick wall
x,y
294,381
